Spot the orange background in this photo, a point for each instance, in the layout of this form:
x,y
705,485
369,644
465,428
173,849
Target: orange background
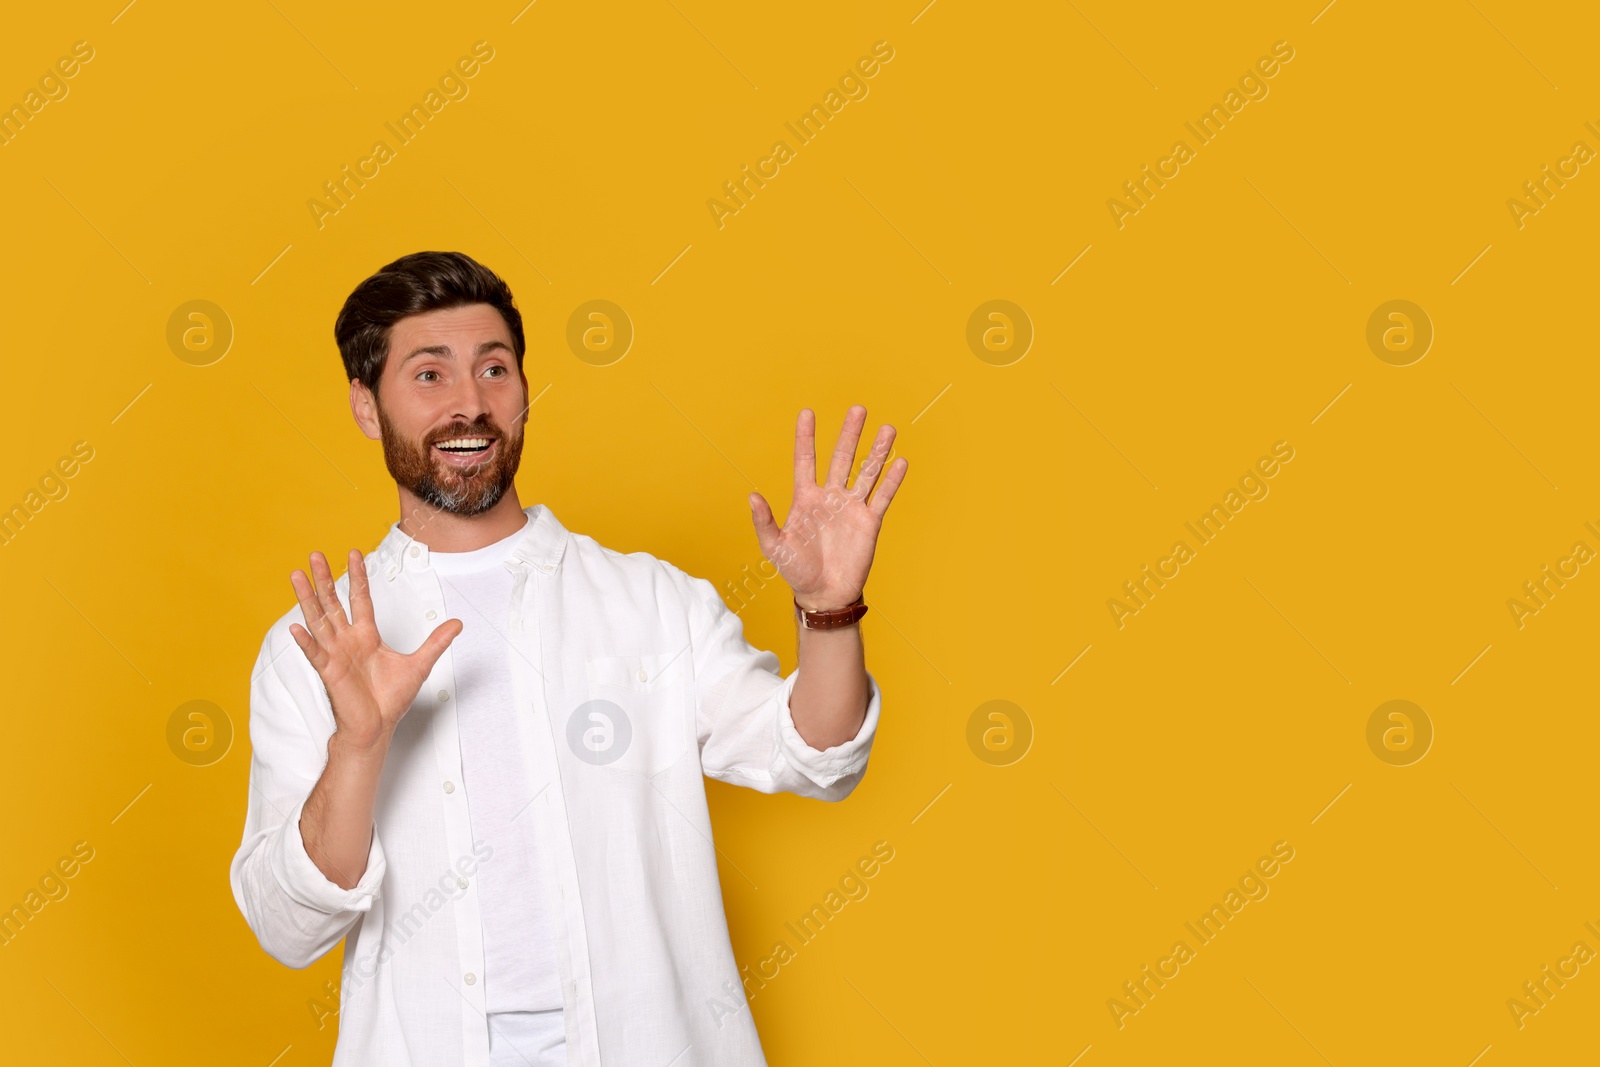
x,y
1229,313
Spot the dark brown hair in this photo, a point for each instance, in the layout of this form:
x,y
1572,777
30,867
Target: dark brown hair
x,y
421,281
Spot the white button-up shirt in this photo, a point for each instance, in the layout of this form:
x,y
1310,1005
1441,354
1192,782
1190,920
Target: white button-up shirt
x,y
639,681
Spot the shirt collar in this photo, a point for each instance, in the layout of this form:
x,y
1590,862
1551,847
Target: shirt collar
x,y
542,544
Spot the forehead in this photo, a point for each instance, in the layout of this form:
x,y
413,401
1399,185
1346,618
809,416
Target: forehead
x,y
461,328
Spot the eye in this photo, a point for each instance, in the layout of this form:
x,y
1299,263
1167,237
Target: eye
x,y
425,373
500,368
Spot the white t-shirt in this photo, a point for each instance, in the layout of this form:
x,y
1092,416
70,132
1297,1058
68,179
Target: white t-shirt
x,y
521,972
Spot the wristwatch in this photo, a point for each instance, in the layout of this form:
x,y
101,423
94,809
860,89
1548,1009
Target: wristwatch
x,y
833,618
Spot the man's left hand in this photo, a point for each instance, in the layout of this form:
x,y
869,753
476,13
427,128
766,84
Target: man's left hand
x,y
824,548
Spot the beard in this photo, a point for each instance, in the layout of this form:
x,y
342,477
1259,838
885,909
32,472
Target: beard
x,y
470,490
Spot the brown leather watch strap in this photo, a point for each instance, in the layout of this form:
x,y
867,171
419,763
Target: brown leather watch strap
x,y
832,618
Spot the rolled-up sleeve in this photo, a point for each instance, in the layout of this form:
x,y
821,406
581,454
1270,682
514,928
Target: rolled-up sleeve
x,y
295,911
827,766
745,727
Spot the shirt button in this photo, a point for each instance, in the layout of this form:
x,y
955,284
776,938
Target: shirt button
x,y
471,978
643,676
415,551
444,694
548,567
449,787
462,882
432,614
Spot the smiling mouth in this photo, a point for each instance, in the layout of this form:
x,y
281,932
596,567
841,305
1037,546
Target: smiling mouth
x,y
461,451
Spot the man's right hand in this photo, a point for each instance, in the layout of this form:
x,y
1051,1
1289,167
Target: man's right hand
x,y
369,684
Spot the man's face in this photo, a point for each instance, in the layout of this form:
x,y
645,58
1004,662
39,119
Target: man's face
x,y
452,406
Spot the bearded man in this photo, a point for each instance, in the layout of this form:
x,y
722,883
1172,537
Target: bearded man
x,y
484,768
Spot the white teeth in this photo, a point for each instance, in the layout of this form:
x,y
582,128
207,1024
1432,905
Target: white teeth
x,y
467,442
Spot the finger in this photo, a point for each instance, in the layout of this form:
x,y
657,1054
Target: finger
x,y
766,525
310,606
360,591
805,449
308,644
891,481
844,453
872,466
437,642
331,608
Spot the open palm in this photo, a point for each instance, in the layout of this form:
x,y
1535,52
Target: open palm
x,y
824,548
369,684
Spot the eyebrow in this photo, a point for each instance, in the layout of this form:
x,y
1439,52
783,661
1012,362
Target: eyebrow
x,y
444,350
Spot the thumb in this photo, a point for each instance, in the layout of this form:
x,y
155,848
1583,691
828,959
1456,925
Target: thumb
x,y
766,526
437,642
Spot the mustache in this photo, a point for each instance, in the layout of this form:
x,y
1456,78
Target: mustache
x,y
476,429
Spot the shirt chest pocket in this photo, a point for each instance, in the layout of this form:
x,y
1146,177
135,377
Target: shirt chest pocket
x,y
635,713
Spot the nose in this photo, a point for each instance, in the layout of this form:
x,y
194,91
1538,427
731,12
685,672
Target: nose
x,y
467,401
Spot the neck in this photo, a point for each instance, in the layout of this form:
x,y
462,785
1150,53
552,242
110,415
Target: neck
x,y
445,531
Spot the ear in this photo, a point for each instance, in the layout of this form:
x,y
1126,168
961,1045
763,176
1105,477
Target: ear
x,y
364,406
